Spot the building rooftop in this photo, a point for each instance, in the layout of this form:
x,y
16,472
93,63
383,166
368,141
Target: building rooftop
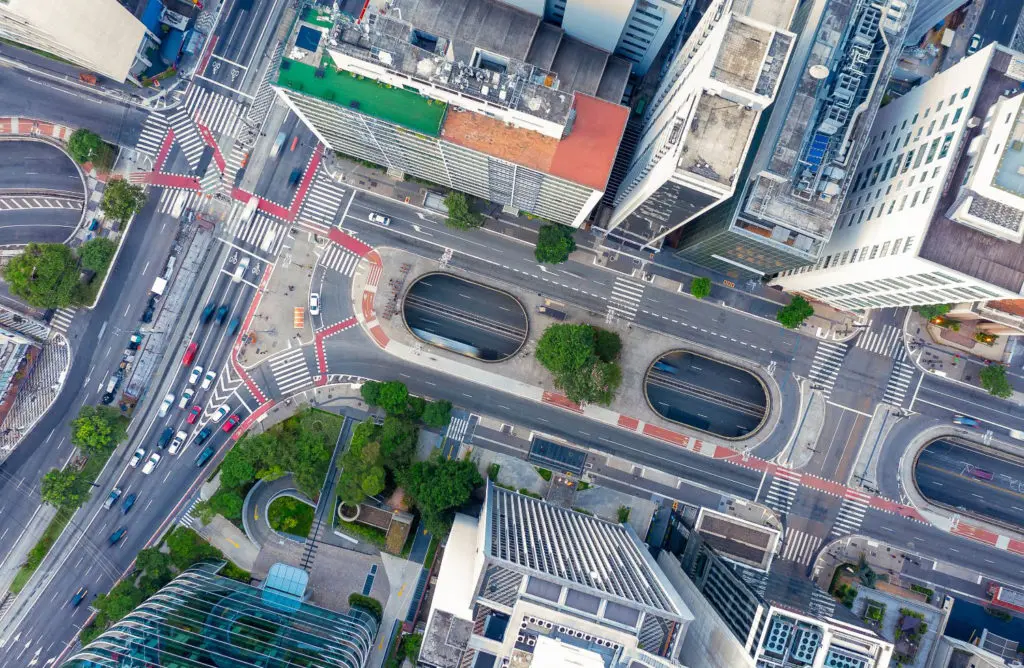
x,y
737,539
742,54
778,13
824,110
717,142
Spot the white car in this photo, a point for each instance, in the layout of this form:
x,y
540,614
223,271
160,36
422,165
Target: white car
x,y
197,372
179,440
151,463
314,303
208,379
139,455
379,219
221,412
975,43
185,397
166,405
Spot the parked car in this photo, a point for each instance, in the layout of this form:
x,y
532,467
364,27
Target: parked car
x,y
179,440
222,314
197,372
115,494
151,463
190,354
79,596
185,396
140,454
203,434
379,218
129,501
314,303
205,455
209,378
118,535
231,423
975,44
165,437
194,414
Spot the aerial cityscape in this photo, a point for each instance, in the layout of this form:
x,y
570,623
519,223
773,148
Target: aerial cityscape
x,y
512,333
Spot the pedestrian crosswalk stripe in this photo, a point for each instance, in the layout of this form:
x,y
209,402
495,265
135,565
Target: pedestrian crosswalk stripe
x,y
625,298
323,200
800,546
828,358
900,377
457,429
154,129
340,260
171,196
187,136
214,111
62,318
782,490
291,371
882,342
257,232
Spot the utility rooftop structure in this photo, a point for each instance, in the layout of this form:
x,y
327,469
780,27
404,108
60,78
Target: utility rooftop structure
x,y
794,186
471,94
533,584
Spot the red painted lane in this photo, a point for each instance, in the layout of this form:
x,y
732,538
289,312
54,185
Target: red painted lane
x,y
249,382
174,181
822,485
561,401
382,339
307,180
666,435
165,148
975,533
206,55
1016,546
627,422
210,141
249,421
349,242
321,354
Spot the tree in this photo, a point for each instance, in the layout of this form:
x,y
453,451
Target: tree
x,y
554,244
566,348
365,432
993,378
370,392
96,254
236,470
581,359
97,429
410,646
121,600
188,548
398,442
607,345
362,473
700,287
156,569
308,460
414,411
122,200
460,215
438,414
393,397
44,275
438,486
86,146
61,488
227,503
929,311
794,313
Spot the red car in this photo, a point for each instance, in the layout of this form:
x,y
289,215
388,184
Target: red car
x,y
190,354
231,423
194,414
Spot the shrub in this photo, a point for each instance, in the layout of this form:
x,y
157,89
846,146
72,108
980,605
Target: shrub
x,y
794,313
700,287
544,473
368,603
623,514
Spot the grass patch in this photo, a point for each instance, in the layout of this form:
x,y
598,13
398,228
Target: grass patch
x,y
428,560
362,531
369,603
544,473
583,511
290,516
526,492
582,485
623,514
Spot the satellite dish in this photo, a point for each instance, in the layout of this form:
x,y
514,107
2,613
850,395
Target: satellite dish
x,y
818,72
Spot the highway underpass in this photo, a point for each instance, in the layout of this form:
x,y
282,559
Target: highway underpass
x,y
41,193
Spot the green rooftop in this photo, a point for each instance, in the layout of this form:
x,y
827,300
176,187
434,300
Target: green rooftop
x,y
314,16
396,105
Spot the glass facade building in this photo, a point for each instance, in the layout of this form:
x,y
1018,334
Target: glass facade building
x,y
203,619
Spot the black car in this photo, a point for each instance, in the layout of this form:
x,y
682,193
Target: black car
x,y
203,434
208,312
205,455
222,314
165,437
107,398
147,315
79,596
129,501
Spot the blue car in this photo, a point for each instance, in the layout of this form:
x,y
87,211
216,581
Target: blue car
x,y
129,501
118,535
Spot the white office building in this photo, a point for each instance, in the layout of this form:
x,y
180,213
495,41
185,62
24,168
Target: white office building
x,y
633,29
701,123
936,211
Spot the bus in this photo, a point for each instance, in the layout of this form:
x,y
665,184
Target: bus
x,y
275,150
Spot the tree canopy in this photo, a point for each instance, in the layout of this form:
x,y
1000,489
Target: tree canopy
x,y
61,488
460,215
554,244
582,360
122,200
795,312
993,378
97,429
97,253
437,414
44,275
362,470
87,146
929,311
438,486
700,287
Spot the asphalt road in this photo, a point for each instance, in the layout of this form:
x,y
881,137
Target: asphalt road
x,y
997,22
242,34
22,226
955,474
275,173
37,165
466,317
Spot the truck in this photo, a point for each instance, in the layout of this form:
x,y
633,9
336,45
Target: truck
x,y
90,79
551,313
159,285
275,150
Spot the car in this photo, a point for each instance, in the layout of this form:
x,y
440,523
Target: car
x,y
222,314
140,454
295,142
190,354
185,396
165,438
975,44
209,378
197,372
115,494
239,274
231,423
79,596
107,398
194,414
179,440
205,455
147,315
221,411
151,463
203,434
166,405
295,177
129,501
207,314
234,325
118,535
314,303
379,218
965,421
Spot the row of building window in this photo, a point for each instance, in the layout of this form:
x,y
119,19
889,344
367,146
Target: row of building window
x,y
892,130
945,295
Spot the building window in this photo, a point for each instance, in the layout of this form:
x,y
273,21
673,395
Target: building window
x,y
903,202
956,114
906,163
946,142
931,151
874,252
906,246
904,126
927,194
853,256
906,140
892,205
842,258
945,118
938,107
915,119
896,167
885,248
913,202
967,91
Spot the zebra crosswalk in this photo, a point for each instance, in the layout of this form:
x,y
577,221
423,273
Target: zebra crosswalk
x,y
154,129
62,318
822,605
214,111
851,513
782,491
170,198
457,429
882,342
187,136
262,231
265,96
291,371
234,163
188,519
625,298
211,183
800,546
323,200
340,260
899,378
828,358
